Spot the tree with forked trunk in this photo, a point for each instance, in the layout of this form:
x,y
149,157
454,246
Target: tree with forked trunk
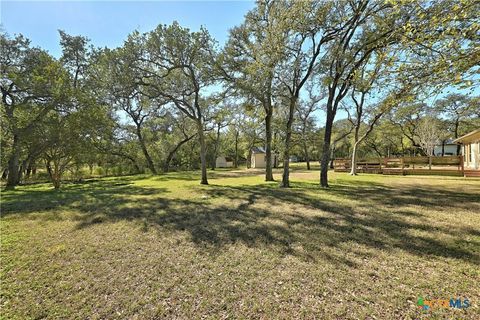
x,y
249,62
178,65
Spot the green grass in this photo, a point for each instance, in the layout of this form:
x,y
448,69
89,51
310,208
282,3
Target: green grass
x,y
166,247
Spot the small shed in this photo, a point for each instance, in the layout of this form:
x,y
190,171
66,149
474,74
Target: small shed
x,y
258,158
224,162
471,151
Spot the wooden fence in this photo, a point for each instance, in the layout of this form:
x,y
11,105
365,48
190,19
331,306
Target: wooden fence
x,y
448,165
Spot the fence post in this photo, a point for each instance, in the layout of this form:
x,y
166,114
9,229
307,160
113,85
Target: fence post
x,y
403,166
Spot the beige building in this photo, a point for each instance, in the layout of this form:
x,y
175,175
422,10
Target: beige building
x,y
470,150
257,159
223,162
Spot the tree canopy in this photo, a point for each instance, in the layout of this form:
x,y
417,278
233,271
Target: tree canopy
x,y
307,80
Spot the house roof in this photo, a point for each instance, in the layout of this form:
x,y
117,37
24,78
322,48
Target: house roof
x,y
469,137
448,142
258,150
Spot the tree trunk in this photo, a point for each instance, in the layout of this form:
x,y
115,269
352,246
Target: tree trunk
x,y
332,156
288,137
236,148
12,179
353,170
21,170
49,169
56,177
268,147
203,151
56,181
307,157
326,150
215,148
150,164
274,147
459,147
430,162
5,174
29,169
53,173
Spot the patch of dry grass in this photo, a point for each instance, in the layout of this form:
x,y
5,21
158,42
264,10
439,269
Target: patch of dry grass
x,y
166,247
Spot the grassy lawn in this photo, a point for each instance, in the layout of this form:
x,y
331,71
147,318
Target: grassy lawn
x,y
146,247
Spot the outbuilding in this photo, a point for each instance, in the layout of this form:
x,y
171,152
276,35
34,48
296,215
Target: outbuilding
x,y
471,152
223,162
258,158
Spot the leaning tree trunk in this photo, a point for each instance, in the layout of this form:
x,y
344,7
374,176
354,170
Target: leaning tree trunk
x,y
268,147
169,158
203,151
12,179
150,164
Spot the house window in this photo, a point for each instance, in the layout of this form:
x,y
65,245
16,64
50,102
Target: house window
x,y
471,152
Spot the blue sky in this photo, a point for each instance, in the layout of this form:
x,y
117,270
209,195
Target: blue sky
x,y
107,23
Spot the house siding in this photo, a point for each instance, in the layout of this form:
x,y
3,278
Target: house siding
x,y
471,155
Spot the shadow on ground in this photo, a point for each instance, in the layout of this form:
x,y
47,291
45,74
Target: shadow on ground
x,y
290,221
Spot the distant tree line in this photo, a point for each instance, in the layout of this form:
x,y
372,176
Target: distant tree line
x,y
374,72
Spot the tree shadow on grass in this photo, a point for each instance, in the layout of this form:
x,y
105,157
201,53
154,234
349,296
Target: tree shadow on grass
x,y
88,196
293,221
377,228
430,197
310,236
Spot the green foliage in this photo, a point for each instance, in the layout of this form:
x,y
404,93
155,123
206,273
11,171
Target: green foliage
x,y
170,98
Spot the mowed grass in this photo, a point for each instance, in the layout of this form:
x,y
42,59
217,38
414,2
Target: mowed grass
x,y
146,247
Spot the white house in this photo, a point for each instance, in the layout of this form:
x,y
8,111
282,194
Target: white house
x,y
471,152
449,148
224,162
